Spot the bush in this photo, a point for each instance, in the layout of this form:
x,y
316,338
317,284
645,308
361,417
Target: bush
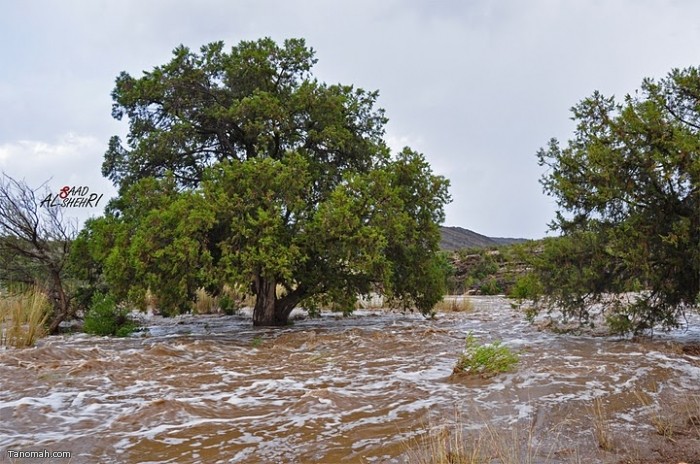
x,y
526,287
490,287
227,305
105,318
487,266
485,360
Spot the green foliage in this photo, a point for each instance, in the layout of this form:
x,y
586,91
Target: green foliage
x,y
490,286
228,305
157,243
619,322
530,313
628,189
241,167
485,360
527,287
490,270
105,318
486,267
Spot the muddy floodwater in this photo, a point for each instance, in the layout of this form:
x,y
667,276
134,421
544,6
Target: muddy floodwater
x,y
372,388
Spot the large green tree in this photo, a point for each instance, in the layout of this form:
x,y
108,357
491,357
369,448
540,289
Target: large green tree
x,y
240,167
628,189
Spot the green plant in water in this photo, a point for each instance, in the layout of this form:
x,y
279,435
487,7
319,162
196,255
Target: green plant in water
x,y
105,318
227,305
619,323
257,342
485,360
531,313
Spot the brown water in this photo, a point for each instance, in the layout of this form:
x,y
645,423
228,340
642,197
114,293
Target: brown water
x,y
359,389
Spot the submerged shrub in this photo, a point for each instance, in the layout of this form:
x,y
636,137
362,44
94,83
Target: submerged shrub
x,y
105,318
485,360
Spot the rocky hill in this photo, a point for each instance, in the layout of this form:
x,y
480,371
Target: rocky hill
x,y
455,238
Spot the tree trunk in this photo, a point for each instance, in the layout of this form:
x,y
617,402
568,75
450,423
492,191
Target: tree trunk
x,y
60,303
264,313
269,310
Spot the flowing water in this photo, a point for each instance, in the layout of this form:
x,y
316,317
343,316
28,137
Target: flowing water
x,y
367,388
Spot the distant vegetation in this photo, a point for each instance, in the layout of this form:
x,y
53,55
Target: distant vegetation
x,y
493,270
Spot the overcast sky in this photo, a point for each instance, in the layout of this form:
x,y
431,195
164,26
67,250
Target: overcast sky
x,y
477,86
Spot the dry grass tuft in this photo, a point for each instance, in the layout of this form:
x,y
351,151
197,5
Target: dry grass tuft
x,y
150,301
23,318
691,415
371,302
454,304
234,297
448,444
680,417
601,426
205,303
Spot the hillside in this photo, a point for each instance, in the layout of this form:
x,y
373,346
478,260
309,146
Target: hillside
x,y
454,238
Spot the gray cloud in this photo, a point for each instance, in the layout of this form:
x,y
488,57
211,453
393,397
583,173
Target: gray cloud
x,y
477,86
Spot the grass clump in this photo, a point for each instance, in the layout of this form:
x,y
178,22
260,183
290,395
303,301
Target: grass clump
x,y
454,443
485,360
205,303
105,318
446,445
23,318
601,426
454,304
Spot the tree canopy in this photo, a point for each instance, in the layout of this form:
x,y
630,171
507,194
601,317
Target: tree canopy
x,y
241,167
628,190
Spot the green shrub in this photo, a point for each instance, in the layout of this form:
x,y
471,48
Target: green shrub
x,y
490,287
227,305
485,360
526,287
531,312
105,318
487,266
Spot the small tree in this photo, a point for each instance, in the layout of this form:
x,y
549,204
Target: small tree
x,y
34,244
628,188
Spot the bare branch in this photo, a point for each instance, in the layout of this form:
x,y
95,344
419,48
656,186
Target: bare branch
x,y
34,241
